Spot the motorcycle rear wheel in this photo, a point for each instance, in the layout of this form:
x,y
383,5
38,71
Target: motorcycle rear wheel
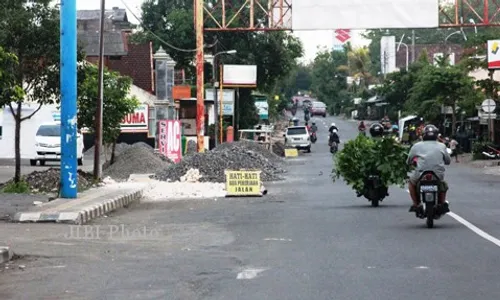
x,y
375,203
430,210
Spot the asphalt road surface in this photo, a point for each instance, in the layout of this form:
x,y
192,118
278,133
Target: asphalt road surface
x,y
308,239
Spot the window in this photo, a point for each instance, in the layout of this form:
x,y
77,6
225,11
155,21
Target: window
x,y
49,130
296,131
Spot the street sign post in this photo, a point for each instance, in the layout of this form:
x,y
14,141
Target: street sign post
x,y
489,106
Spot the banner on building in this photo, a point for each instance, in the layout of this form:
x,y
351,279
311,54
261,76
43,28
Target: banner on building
x,y
340,38
136,121
169,139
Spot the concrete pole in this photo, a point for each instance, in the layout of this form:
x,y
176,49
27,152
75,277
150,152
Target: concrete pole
x,y
100,100
68,81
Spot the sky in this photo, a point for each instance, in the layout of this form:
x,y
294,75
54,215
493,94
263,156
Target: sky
x,y
310,39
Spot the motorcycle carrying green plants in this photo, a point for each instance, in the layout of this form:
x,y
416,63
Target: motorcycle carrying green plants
x,y
364,156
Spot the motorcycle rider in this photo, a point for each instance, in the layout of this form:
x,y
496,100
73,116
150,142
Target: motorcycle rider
x,y
362,127
308,127
430,155
376,130
314,128
334,137
332,127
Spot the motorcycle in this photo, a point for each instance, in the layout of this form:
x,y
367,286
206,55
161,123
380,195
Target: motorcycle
x,y
333,147
314,138
375,191
428,191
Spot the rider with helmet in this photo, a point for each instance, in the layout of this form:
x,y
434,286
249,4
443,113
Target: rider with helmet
x,y
334,137
376,130
332,127
429,155
314,128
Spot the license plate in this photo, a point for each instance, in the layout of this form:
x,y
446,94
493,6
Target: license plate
x,y
297,139
428,188
51,156
429,197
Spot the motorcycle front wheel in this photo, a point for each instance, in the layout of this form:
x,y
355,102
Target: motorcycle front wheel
x,y
430,210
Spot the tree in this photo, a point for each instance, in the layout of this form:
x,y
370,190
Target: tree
x,y
117,102
438,86
30,30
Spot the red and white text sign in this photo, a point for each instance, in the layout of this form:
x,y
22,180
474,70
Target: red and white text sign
x,y
169,139
136,121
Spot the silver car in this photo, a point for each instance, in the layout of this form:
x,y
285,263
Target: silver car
x,y
298,137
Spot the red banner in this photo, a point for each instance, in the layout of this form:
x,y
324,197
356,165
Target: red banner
x,y
169,139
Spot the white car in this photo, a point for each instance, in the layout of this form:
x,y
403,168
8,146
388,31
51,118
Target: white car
x,y
48,144
298,137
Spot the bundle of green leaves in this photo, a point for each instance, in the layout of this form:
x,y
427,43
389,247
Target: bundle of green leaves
x,y
364,156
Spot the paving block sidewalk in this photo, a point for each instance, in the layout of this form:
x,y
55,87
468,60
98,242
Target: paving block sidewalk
x,y
89,205
5,254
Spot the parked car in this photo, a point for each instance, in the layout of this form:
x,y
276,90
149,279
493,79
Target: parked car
x,y
48,144
298,137
318,109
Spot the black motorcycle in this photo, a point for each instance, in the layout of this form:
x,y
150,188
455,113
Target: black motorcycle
x,y
314,138
428,191
375,191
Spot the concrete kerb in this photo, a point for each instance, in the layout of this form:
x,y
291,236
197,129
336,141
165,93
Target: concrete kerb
x,y
5,254
84,214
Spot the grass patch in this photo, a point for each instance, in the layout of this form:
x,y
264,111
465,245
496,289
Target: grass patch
x,y
20,187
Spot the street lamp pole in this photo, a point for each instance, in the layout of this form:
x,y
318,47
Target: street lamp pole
x,y
407,51
216,99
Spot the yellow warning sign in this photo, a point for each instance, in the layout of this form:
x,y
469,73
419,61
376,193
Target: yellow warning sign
x,y
243,183
292,152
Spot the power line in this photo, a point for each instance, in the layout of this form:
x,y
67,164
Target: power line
x,y
159,38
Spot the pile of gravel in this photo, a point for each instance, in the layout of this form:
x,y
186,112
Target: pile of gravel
x,y
120,148
47,181
136,159
228,156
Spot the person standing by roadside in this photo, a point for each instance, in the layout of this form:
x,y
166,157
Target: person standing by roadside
x,y
454,148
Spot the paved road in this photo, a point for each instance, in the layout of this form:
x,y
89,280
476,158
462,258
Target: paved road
x,y
309,239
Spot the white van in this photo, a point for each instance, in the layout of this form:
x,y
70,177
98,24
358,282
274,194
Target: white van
x,y
48,144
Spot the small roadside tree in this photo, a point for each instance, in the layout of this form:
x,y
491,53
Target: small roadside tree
x,y
116,105
30,30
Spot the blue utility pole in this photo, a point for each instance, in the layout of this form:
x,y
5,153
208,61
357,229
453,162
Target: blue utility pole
x,y
69,168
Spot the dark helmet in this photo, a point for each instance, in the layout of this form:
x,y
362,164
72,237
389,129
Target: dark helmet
x,y
376,130
430,133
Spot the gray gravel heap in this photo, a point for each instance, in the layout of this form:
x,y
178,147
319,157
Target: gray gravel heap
x,y
137,159
228,156
279,149
121,147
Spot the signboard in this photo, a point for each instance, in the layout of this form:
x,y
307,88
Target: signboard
x,y
488,105
181,92
189,126
262,109
136,121
494,54
388,54
363,14
227,100
341,36
243,183
169,139
239,75
291,152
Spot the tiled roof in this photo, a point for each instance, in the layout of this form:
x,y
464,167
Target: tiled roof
x,y
116,14
114,43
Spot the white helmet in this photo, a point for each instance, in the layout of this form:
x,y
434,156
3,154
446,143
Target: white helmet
x,y
333,124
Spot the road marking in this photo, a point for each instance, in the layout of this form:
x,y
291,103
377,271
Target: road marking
x,y
475,229
249,273
472,227
277,239
421,267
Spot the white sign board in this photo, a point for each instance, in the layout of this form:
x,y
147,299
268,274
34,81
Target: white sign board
x,y
494,54
227,100
136,121
364,14
239,75
488,105
388,54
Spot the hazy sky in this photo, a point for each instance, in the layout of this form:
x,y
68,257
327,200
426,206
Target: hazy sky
x,y
311,39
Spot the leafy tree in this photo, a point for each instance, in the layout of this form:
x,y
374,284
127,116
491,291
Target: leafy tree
x,y
30,30
117,103
439,85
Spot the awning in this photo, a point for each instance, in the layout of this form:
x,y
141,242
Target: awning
x,y
374,99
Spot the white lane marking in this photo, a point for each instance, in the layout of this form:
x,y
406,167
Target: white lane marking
x,y
474,228
277,239
249,273
421,267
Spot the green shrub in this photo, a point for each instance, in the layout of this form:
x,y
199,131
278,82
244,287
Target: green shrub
x,y
478,148
16,188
